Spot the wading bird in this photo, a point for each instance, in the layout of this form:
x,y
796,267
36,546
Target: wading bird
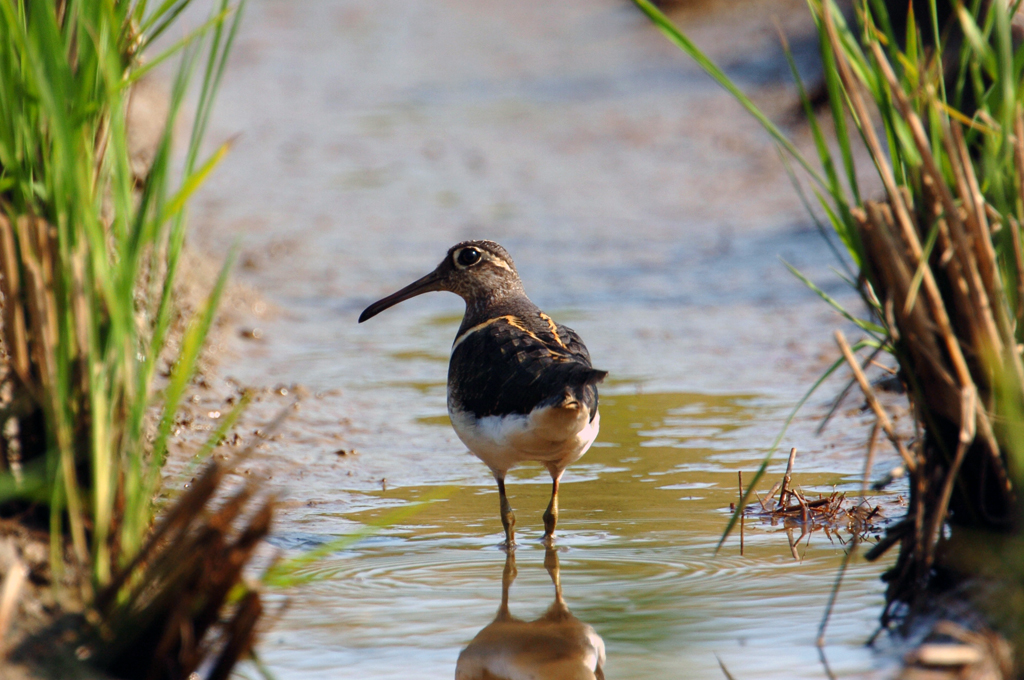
x,y
520,387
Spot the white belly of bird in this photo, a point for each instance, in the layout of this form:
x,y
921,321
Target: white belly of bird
x,y
555,436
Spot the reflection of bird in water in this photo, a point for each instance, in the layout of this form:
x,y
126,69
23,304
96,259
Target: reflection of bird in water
x,y
520,386
557,646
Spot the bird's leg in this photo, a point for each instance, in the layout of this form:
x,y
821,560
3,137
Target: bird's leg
x,y
551,514
508,518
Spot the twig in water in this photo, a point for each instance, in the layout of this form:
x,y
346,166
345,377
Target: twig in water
x,y
893,535
787,478
739,473
804,515
887,369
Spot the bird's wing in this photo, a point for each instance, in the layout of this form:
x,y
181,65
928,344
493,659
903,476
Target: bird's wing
x,y
573,343
502,366
560,337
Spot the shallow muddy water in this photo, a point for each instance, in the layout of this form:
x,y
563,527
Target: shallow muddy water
x,y
640,517
643,209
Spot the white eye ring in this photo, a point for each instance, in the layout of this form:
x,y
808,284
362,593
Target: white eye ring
x,y
466,257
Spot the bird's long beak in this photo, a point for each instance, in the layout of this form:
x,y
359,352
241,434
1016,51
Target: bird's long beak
x,y
430,282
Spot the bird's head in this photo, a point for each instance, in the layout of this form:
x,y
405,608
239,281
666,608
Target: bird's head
x,y
477,271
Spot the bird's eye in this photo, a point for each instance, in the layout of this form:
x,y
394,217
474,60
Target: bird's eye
x,y
467,257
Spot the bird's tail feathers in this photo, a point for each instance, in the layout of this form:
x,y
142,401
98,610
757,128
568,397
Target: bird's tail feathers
x,y
580,390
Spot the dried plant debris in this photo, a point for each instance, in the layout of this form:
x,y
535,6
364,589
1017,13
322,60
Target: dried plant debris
x,y
164,614
182,604
833,511
833,514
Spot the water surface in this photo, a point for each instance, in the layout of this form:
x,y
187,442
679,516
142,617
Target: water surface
x,y
641,514
644,209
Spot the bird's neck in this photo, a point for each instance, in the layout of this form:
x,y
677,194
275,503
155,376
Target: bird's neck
x,y
498,303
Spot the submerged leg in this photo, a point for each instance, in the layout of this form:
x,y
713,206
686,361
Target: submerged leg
x,y
551,514
508,518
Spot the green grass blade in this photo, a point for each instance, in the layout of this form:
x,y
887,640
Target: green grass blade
x,y
162,19
873,329
185,366
845,228
193,182
218,435
938,47
140,72
977,40
795,182
836,99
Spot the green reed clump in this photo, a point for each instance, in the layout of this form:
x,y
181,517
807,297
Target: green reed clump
x,y
89,250
934,92
90,243
91,237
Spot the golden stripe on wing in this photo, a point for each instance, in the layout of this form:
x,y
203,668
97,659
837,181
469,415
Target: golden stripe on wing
x,y
517,323
554,329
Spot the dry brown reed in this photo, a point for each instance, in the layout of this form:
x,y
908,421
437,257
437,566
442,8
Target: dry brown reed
x,y
161,616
